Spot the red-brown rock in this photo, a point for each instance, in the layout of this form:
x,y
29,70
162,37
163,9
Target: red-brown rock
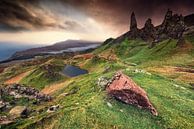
x,y
126,90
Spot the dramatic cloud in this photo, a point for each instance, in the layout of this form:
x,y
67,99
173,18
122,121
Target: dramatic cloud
x,y
97,19
28,15
116,13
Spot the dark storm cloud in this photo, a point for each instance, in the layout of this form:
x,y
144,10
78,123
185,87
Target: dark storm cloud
x,y
20,15
13,12
117,12
112,13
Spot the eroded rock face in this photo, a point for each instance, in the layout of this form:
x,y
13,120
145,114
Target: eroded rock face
x,y
134,31
126,90
149,31
133,25
173,26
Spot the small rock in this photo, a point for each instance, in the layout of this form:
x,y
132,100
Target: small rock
x,y
183,88
109,104
4,120
121,110
2,105
65,94
102,82
17,96
53,108
176,85
18,111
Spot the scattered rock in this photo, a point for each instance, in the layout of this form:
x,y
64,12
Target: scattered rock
x,y
19,91
142,71
2,105
102,82
183,88
4,120
64,94
176,85
19,111
126,90
107,69
53,108
121,110
109,104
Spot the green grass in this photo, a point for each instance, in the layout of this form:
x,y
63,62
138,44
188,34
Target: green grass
x,y
88,107
45,74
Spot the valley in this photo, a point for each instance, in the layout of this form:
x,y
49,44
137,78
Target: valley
x,y
142,79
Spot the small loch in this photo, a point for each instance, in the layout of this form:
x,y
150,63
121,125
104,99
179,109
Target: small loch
x,y
73,71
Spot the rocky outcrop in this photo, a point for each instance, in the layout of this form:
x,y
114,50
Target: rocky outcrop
x,y
18,91
148,33
173,26
126,90
134,31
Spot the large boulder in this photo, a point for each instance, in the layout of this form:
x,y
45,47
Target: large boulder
x,y
18,111
126,90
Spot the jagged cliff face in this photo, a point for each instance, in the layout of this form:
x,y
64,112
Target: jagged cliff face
x,y
133,27
172,27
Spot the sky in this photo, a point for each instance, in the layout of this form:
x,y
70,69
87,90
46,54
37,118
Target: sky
x,y
50,21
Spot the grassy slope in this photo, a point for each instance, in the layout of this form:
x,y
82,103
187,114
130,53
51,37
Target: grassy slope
x,y
41,76
88,107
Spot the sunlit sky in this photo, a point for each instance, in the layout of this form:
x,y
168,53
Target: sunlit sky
x,y
49,21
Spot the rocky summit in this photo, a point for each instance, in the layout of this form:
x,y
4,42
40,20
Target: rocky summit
x,y
144,79
173,26
126,90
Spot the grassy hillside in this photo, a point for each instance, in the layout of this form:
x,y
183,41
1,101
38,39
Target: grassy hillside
x,y
45,74
88,105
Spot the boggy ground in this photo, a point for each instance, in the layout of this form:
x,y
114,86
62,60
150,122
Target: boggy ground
x,y
84,104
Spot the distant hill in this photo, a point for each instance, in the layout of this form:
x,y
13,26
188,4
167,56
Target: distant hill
x,y
52,49
7,49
